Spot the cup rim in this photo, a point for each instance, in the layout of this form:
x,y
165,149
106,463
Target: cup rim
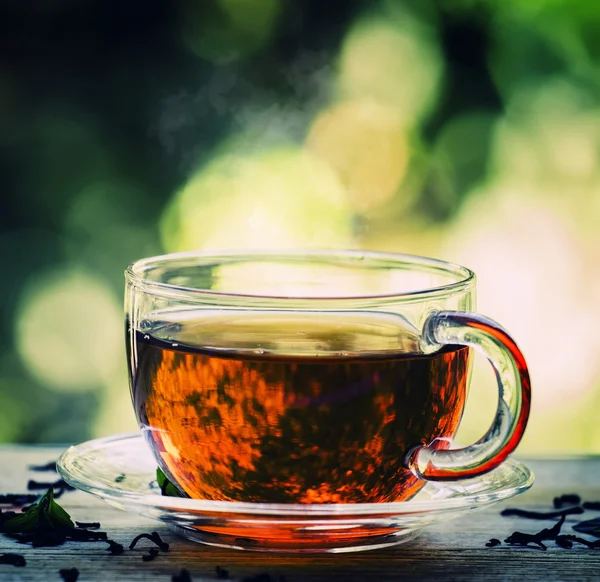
x,y
464,277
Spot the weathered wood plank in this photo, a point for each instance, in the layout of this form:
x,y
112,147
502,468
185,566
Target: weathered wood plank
x,y
451,551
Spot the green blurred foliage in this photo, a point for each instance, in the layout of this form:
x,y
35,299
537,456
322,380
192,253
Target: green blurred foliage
x,y
464,129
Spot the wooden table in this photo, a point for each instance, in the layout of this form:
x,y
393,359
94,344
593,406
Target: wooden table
x,y
451,551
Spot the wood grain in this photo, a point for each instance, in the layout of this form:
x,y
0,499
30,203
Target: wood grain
x,y
454,550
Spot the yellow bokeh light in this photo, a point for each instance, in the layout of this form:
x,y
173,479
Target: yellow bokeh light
x,y
549,144
533,278
278,198
69,331
531,274
391,61
227,30
551,130
365,143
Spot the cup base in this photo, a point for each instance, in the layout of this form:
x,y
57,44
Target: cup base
x,y
297,540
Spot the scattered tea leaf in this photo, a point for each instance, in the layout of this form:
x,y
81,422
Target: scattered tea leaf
x,y
590,526
44,537
41,539
553,532
154,537
88,524
166,487
152,553
183,576
493,543
114,548
33,485
120,478
69,575
564,541
519,538
595,545
51,466
567,499
524,539
13,560
511,512
18,498
569,539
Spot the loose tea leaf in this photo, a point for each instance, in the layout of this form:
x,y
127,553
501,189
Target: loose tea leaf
x,y
553,532
183,576
51,466
567,499
18,498
524,539
152,553
70,575
493,542
519,538
43,537
166,487
541,514
114,548
154,537
13,560
590,526
566,541
88,524
33,485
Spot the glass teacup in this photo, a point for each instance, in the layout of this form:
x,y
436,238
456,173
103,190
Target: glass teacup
x,y
313,377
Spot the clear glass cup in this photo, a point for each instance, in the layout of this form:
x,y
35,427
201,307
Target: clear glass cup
x,y
313,377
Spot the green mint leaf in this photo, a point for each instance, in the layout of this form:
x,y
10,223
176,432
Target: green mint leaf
x,y
58,516
161,478
22,523
46,513
166,487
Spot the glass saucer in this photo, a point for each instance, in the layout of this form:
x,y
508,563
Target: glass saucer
x,y
122,471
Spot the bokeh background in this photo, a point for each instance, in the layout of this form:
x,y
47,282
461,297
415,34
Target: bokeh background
x,y
466,130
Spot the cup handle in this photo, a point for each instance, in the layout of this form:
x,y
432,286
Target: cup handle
x,y
514,389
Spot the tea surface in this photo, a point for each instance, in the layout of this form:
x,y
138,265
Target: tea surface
x,y
286,408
